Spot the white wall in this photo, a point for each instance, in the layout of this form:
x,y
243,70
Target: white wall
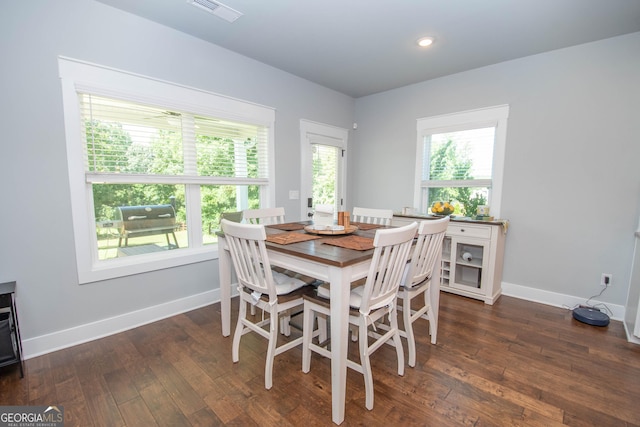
x,y
571,178
36,245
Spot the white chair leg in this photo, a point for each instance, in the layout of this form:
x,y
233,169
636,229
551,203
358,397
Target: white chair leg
x,y
307,335
366,365
393,321
433,327
408,329
235,348
433,322
322,329
285,325
271,348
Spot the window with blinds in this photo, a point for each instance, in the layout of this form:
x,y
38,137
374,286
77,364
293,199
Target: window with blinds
x,y
460,160
153,165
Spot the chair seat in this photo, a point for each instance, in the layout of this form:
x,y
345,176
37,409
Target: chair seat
x,y
325,288
307,280
410,286
285,283
290,296
324,302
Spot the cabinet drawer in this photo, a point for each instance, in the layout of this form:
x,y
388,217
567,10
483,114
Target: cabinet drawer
x,y
480,231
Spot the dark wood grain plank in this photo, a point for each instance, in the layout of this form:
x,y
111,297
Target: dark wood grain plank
x,y
136,413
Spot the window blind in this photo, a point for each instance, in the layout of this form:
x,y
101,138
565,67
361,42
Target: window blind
x,y
462,155
124,138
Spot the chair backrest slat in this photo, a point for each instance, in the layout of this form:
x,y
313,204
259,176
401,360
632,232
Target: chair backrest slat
x,y
372,216
390,255
264,216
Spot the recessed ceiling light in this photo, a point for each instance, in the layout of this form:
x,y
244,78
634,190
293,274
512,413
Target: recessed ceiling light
x,y
425,41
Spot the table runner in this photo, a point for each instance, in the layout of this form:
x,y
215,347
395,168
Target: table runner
x,y
287,238
364,226
357,243
289,226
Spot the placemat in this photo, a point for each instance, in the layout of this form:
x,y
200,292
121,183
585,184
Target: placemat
x,y
288,238
358,243
364,226
289,226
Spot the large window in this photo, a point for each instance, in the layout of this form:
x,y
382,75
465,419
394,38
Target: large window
x,y
460,160
152,165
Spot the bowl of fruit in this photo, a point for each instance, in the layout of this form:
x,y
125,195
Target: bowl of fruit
x,y
442,208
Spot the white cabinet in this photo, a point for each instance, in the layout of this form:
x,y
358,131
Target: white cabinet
x,y
472,257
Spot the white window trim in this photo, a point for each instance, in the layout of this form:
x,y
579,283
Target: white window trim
x,y
470,119
78,75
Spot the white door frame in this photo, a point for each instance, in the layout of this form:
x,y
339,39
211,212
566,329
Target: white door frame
x,y
320,133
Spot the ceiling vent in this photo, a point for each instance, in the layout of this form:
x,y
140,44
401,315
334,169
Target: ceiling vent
x,y
218,9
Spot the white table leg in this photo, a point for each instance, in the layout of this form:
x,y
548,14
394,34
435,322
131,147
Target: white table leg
x,y
224,273
340,281
434,291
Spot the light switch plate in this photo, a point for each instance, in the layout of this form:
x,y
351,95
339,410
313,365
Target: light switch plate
x,y
294,195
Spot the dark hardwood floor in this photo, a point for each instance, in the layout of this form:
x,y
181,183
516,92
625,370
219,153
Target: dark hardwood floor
x,y
513,363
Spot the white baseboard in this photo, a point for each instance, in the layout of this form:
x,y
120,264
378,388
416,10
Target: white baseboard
x,y
630,337
48,343
558,300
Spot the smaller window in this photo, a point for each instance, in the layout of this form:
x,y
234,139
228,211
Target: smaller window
x,y
460,159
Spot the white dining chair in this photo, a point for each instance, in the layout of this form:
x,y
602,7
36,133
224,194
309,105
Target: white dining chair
x,y
417,281
264,216
367,216
257,287
372,216
270,216
369,303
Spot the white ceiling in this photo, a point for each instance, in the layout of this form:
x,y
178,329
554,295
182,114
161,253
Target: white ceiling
x,y
361,47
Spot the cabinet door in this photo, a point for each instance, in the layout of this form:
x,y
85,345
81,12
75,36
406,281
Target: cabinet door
x,y
468,266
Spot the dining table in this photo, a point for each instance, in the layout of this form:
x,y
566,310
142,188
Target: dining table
x,y
338,259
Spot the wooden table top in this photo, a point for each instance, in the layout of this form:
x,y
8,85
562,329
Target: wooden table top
x,y
315,250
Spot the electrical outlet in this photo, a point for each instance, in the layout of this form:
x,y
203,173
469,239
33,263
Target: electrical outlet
x,y
605,280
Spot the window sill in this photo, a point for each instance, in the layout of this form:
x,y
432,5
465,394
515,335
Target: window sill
x,y
127,266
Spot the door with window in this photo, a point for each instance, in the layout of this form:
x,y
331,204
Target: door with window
x,y
324,154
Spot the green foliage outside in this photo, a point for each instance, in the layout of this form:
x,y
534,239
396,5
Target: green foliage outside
x,y
324,175
453,162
